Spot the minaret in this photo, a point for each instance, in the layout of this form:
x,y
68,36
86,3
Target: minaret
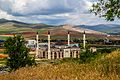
x,y
49,52
68,38
37,46
84,40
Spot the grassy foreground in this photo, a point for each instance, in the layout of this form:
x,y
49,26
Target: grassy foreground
x,y
106,67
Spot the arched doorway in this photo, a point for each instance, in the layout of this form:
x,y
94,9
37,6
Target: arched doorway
x,y
55,55
43,54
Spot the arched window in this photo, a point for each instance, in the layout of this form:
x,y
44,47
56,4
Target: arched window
x,y
77,54
55,55
59,54
47,55
43,54
62,55
51,55
71,54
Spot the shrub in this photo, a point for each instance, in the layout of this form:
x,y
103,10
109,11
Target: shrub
x,y
106,50
18,53
87,56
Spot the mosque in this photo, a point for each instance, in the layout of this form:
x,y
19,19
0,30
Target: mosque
x,y
54,51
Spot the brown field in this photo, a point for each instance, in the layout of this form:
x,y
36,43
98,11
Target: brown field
x,y
7,35
3,56
62,32
105,68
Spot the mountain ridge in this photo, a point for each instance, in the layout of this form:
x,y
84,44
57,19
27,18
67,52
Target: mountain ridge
x,y
23,24
107,28
104,28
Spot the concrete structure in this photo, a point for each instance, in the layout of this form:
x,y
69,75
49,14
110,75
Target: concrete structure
x,y
68,38
59,53
53,51
49,52
84,40
37,46
31,44
41,45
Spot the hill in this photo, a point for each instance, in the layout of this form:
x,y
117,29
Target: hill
x,y
57,32
81,30
101,28
107,28
12,26
23,24
3,21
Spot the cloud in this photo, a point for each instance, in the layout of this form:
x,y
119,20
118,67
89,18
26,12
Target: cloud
x,y
34,7
50,11
5,15
42,7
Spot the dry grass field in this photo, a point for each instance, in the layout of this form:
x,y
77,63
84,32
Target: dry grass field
x,y
105,68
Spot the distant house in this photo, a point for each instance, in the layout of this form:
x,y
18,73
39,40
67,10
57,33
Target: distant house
x,y
93,49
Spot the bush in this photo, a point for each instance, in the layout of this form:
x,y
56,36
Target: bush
x,y
87,56
18,53
107,50
87,46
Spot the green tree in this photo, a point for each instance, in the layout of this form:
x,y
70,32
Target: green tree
x,y
109,9
18,53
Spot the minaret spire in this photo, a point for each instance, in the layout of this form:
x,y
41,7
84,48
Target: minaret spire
x,y
84,40
49,52
68,38
37,46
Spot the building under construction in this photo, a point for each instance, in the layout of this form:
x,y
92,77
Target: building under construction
x,y
54,51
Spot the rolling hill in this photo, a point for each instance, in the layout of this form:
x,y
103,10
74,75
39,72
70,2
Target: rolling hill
x,y
22,24
81,30
12,26
107,28
99,29
58,32
16,26
2,21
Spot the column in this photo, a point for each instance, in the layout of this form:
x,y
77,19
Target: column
x,y
74,54
57,55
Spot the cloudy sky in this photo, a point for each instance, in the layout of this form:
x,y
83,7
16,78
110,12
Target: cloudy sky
x,y
51,12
